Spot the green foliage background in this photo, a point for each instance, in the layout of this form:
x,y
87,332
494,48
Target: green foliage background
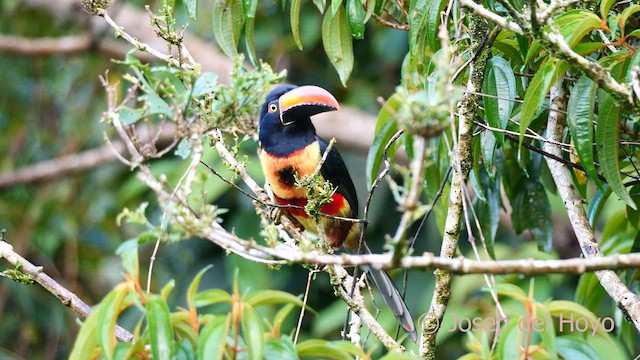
x,y
51,106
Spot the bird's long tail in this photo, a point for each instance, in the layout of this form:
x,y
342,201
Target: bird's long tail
x,y
390,295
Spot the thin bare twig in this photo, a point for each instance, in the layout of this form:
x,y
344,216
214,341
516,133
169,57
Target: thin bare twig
x,y
65,296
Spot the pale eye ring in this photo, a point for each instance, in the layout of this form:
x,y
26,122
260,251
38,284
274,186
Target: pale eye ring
x,y
273,108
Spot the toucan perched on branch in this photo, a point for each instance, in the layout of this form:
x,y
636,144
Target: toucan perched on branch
x,y
289,147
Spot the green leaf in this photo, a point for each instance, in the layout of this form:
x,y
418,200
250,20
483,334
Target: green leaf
x,y
589,292
205,84
605,5
270,297
548,335
280,349
192,8
228,21
532,210
626,13
193,287
376,151
294,14
328,349
252,332
281,315
129,116
210,297
335,7
512,291
107,314
156,105
573,26
213,337
607,141
337,42
500,86
249,7
580,115
386,127
488,211
572,311
538,89
356,16
509,341
183,149
576,348
597,203
128,251
159,322
87,339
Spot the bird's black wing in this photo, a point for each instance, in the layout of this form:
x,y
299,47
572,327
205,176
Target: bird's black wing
x,y
335,171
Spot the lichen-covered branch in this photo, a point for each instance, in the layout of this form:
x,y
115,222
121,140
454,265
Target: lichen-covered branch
x,y
462,161
66,297
573,202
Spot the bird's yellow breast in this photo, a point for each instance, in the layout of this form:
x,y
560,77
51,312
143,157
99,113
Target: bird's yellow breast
x,y
279,171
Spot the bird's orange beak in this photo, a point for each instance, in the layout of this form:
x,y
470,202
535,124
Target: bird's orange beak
x,y
305,101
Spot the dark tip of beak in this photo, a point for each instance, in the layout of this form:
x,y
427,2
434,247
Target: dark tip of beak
x,y
306,101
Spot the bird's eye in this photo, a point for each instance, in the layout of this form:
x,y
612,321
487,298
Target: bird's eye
x,y
273,108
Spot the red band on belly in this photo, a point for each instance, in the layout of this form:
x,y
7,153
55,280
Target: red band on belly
x,y
333,207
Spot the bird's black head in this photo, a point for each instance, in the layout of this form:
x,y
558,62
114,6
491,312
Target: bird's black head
x,y
285,117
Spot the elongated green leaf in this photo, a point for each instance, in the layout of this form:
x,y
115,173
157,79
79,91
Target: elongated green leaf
x,y
509,342
213,338
249,40
434,8
270,297
252,332
573,26
537,90
280,349
488,211
249,7
580,118
210,297
417,33
548,333
294,15
356,16
328,349
337,42
597,203
532,210
193,287
386,126
335,7
605,5
576,348
572,310
511,291
589,292
607,141
128,251
159,322
228,21
107,314
500,87
627,13
87,339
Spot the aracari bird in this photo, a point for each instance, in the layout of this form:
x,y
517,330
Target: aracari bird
x,y
289,147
